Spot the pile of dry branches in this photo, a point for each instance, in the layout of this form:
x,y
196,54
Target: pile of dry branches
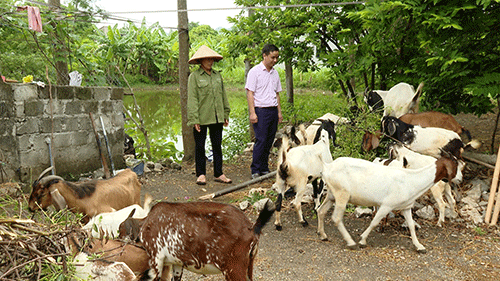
x,y
31,250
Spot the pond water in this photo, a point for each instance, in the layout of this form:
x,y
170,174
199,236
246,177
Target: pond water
x,y
161,112
160,109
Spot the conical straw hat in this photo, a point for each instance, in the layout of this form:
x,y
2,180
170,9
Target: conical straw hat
x,y
204,52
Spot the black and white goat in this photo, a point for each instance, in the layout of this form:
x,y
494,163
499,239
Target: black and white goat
x,y
399,100
429,141
424,120
364,183
298,166
326,122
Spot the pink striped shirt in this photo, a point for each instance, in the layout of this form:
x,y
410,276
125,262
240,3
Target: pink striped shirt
x,y
265,85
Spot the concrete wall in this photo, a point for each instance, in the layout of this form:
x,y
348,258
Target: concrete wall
x,y
29,118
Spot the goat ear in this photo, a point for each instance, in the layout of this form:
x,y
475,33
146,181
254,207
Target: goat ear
x,y
391,128
57,199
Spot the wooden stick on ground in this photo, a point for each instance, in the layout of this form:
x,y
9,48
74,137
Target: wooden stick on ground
x,y
107,174
238,186
496,212
493,189
478,162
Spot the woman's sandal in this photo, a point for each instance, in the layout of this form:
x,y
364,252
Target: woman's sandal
x,y
201,181
223,179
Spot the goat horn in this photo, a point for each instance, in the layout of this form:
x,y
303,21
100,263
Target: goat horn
x,y
44,172
49,178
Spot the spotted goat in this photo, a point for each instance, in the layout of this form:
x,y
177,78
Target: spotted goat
x,y
202,237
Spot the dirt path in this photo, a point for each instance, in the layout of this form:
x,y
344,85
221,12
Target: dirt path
x,y
454,252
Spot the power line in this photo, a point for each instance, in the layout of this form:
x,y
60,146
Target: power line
x,y
245,8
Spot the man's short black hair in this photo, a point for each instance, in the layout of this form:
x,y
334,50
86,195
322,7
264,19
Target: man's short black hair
x,y
269,48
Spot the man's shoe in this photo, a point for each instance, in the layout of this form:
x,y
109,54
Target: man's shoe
x,y
264,173
255,175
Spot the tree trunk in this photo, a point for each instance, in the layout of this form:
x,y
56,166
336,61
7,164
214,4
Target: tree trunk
x,y
289,81
248,66
60,57
187,132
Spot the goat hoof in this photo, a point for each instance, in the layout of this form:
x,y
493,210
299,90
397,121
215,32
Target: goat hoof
x,y
352,247
422,251
363,246
279,227
305,223
324,239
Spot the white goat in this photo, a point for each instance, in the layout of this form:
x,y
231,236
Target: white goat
x,y
405,158
361,182
296,167
107,224
399,100
88,269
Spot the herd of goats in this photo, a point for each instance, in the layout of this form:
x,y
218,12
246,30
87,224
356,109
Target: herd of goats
x,y
157,241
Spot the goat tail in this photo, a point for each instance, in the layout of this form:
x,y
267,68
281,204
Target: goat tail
x,y
282,163
474,143
302,130
419,88
264,217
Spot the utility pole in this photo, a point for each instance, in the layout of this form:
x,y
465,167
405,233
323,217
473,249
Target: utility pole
x,y
60,57
183,30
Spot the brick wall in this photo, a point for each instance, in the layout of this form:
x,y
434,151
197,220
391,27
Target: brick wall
x,y
30,119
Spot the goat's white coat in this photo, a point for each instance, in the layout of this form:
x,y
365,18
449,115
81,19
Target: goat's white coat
x,y
360,182
430,140
416,160
109,222
399,100
303,162
101,271
311,130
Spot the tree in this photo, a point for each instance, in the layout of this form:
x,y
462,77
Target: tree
x,y
449,45
446,44
187,132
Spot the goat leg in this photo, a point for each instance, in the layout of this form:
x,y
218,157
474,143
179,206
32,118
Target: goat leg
x,y
298,204
411,226
382,212
322,210
277,220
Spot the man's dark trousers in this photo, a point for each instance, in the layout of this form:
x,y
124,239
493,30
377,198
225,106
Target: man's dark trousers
x,y
265,131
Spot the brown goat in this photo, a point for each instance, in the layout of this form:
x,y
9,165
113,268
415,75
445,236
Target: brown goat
x,y
203,237
435,119
89,198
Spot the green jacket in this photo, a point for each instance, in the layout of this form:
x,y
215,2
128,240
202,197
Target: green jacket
x,y
207,100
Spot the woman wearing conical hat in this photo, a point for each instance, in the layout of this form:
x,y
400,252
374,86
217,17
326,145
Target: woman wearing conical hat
x,y
208,109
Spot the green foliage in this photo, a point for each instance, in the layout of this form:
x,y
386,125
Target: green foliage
x,y
480,231
257,196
